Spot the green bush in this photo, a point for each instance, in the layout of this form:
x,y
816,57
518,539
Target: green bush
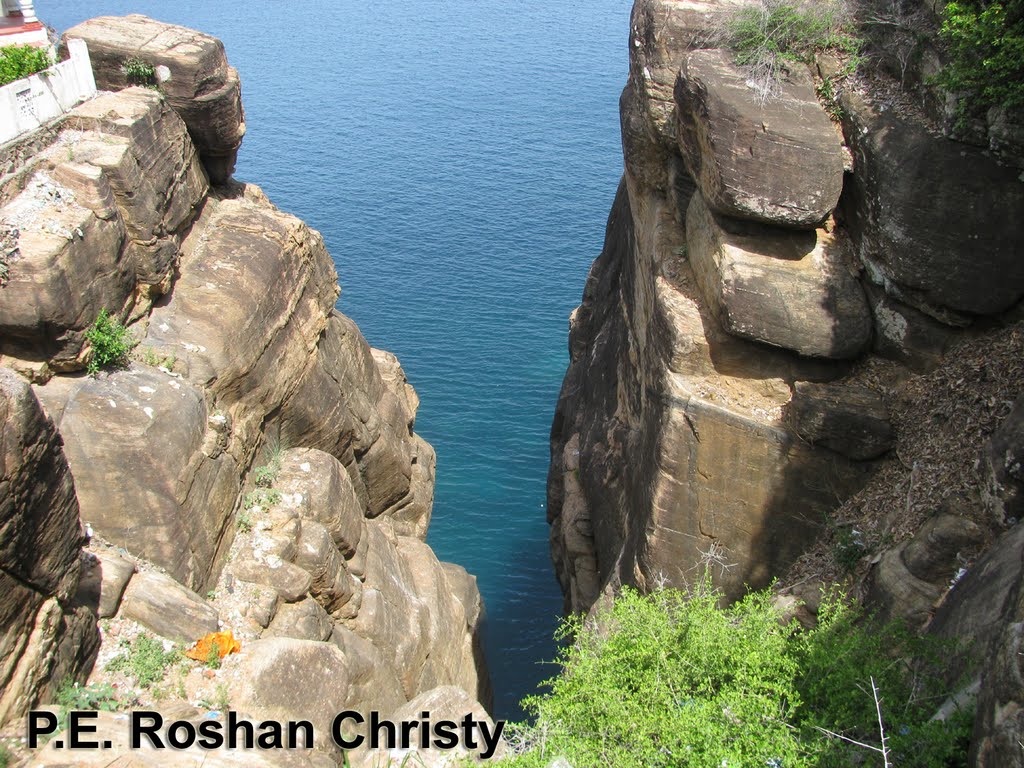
x,y
674,680
770,36
18,61
985,43
145,659
110,341
139,72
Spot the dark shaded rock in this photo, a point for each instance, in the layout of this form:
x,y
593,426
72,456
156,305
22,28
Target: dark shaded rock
x,y
104,578
44,638
192,73
777,160
932,553
904,333
850,420
163,605
1003,462
937,222
789,289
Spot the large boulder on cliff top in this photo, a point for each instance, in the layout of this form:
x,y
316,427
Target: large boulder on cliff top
x,y
796,290
776,159
192,72
43,637
938,223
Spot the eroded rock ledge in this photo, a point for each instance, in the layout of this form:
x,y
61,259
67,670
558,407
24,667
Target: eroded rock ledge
x,y
242,364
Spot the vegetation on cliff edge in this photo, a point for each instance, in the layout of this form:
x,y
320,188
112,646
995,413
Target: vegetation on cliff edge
x,y
18,61
672,679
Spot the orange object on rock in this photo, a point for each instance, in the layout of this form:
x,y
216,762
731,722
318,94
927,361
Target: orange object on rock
x,y
222,643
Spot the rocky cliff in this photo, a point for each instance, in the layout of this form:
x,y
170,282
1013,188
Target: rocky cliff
x,y
796,350
253,467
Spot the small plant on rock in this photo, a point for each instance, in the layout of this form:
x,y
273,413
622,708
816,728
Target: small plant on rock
x,y
111,343
146,660
139,72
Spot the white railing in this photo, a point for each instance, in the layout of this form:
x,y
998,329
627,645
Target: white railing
x,y
28,103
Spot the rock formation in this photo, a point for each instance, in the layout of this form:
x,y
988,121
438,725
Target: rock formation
x,y
734,283
254,445
769,284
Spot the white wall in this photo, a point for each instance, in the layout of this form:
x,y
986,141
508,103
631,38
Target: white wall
x,y
27,104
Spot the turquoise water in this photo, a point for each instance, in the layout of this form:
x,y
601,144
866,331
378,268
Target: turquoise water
x,y
460,158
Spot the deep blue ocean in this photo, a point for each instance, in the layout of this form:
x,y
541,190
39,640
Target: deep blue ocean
x,y
460,158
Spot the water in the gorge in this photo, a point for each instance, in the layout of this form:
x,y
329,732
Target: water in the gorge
x,y
460,158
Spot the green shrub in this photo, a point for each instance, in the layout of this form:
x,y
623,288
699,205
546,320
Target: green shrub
x,y
985,43
776,33
145,659
139,72
674,680
99,696
110,341
18,61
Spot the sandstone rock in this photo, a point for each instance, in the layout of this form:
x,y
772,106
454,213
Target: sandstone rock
x,y
936,222
317,555
906,334
163,605
1003,462
289,581
449,703
932,553
850,420
661,34
374,683
70,264
304,620
793,290
395,380
776,160
393,616
40,546
104,578
142,152
327,494
134,440
197,81
247,311
263,606
284,678
413,517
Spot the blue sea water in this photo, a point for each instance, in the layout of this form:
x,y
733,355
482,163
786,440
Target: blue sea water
x,y
460,158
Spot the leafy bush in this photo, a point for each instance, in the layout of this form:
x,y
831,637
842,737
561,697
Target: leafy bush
x,y
674,680
139,72
110,341
18,61
777,33
146,660
985,42
99,696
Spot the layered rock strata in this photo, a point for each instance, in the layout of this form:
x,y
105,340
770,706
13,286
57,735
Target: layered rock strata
x,y
255,444
716,411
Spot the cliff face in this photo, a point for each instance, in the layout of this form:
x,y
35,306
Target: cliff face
x,y
768,280
746,390
255,445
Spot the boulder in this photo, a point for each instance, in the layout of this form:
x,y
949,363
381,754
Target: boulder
x,y
104,578
325,494
170,610
332,586
191,71
288,580
288,679
1003,465
937,222
304,620
448,702
44,639
374,683
775,159
141,150
906,334
796,290
67,264
135,441
847,419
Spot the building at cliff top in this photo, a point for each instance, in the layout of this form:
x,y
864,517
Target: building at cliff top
x,y
19,25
